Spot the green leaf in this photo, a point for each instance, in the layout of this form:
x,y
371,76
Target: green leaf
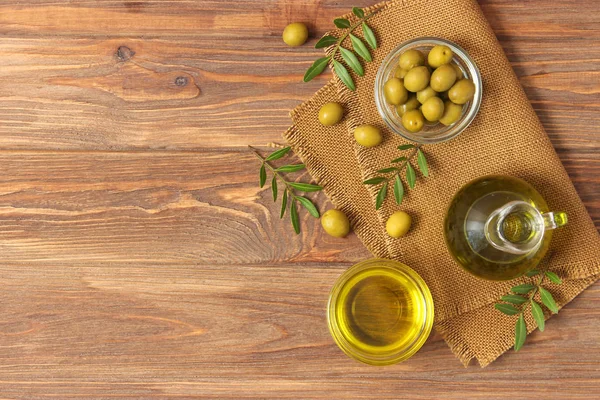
x,y
262,175
387,170
398,189
553,277
514,299
309,206
276,155
283,204
522,289
358,12
294,217
520,333
360,48
316,69
375,181
422,162
531,273
548,300
538,315
341,23
406,146
274,188
381,196
507,309
411,177
305,187
290,168
352,61
343,74
326,41
369,36
399,159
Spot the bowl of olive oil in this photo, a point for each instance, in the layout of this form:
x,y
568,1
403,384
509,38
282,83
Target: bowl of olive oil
x,y
380,312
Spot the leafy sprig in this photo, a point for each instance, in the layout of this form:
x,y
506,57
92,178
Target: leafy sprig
x,y
410,174
523,299
289,197
348,56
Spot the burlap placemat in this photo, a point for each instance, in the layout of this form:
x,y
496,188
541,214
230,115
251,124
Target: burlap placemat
x,y
505,138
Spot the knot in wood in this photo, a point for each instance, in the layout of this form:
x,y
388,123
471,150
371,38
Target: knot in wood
x,y
181,81
124,53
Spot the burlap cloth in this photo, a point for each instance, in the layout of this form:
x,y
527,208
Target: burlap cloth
x,y
506,137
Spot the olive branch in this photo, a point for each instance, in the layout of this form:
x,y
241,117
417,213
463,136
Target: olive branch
x,y
411,176
289,197
518,303
348,56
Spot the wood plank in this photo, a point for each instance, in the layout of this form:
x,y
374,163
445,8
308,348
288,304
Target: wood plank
x,y
152,207
69,89
168,207
230,331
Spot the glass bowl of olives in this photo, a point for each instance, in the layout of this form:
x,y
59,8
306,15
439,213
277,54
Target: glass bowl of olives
x,y
428,90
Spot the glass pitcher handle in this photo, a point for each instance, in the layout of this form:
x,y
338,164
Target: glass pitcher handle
x,y
553,220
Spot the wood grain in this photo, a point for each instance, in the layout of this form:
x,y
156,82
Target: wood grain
x,y
140,259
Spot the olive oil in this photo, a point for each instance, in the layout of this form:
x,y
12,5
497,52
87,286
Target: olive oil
x,y
486,242
380,311
380,314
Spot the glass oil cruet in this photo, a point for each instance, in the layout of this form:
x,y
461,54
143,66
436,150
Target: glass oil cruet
x,y
499,227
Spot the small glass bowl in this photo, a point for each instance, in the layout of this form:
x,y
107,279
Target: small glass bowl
x,y
407,296
431,132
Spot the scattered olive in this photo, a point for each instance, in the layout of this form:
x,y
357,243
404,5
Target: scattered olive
x,y
367,135
433,109
410,59
462,91
400,73
417,79
395,92
452,113
335,223
411,104
439,55
413,120
330,114
398,224
295,34
443,78
423,95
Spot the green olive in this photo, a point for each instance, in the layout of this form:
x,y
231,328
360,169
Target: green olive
x,y
417,79
413,120
295,34
398,224
459,73
433,109
423,95
335,223
452,113
367,135
411,104
411,58
400,73
439,55
394,91
462,91
443,78
330,114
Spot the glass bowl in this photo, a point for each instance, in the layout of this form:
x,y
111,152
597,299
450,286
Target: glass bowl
x,y
431,132
380,312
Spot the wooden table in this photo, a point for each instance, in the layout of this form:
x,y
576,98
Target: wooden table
x,y
139,257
